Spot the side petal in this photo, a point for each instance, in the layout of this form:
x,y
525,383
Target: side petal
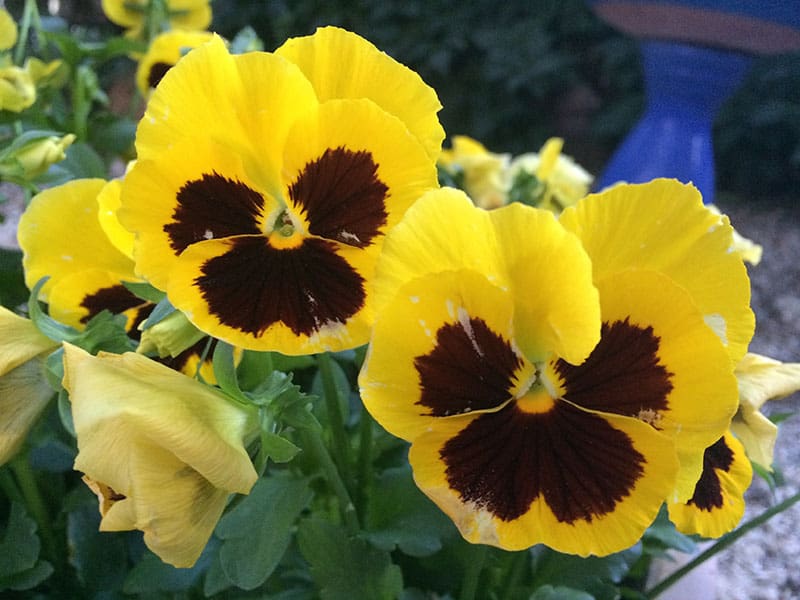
x,y
663,226
24,394
341,64
20,341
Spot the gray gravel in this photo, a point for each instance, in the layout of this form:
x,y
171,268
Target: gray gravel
x,y
763,564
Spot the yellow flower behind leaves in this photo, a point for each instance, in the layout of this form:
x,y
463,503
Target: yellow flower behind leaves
x,y
24,392
162,450
265,183
181,14
548,398
8,30
164,52
485,174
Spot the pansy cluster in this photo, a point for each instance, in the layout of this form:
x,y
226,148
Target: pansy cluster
x,y
560,372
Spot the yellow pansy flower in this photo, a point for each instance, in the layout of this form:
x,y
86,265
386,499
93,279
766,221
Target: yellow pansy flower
x,y
24,392
162,54
761,379
181,14
717,504
61,238
260,209
162,450
485,173
540,407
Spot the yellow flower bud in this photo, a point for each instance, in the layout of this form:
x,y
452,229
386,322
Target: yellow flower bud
x,y
33,160
17,89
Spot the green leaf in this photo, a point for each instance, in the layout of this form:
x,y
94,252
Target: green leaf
x,y
662,534
162,310
19,549
27,579
402,516
278,448
99,559
345,568
145,291
549,592
225,371
82,161
257,532
153,575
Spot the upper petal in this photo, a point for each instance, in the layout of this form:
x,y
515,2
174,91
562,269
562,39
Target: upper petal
x,y
341,64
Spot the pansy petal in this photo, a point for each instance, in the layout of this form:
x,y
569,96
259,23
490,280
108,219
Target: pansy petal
x,y
762,378
579,482
657,361
194,192
20,341
717,505
758,435
116,397
24,394
662,225
60,234
248,102
306,298
109,201
76,298
442,347
341,64
442,231
550,276
352,170
164,52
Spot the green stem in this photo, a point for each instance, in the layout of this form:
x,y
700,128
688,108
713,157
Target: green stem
x,y
24,29
364,460
35,503
319,451
341,445
721,544
469,586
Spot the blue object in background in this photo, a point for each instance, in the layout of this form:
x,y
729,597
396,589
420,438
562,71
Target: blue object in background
x,y
685,87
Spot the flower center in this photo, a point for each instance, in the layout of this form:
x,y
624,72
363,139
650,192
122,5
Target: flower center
x,y
536,400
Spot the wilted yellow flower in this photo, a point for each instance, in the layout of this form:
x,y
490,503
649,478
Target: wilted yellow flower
x,y
761,379
8,30
24,392
485,173
162,450
33,159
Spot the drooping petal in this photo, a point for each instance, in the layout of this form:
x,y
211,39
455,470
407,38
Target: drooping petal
x,y
20,341
662,225
340,64
119,398
443,347
656,361
24,394
60,235
577,481
761,379
717,505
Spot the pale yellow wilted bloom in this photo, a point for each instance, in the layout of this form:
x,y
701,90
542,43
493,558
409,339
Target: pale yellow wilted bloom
x,y
761,379
24,392
162,451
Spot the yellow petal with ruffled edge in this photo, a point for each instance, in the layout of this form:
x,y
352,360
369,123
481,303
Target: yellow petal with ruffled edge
x,y
518,248
662,225
718,502
657,361
109,201
341,64
171,446
164,52
60,235
399,385
550,277
20,341
247,102
577,481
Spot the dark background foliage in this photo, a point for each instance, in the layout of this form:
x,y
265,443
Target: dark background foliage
x,y
512,74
